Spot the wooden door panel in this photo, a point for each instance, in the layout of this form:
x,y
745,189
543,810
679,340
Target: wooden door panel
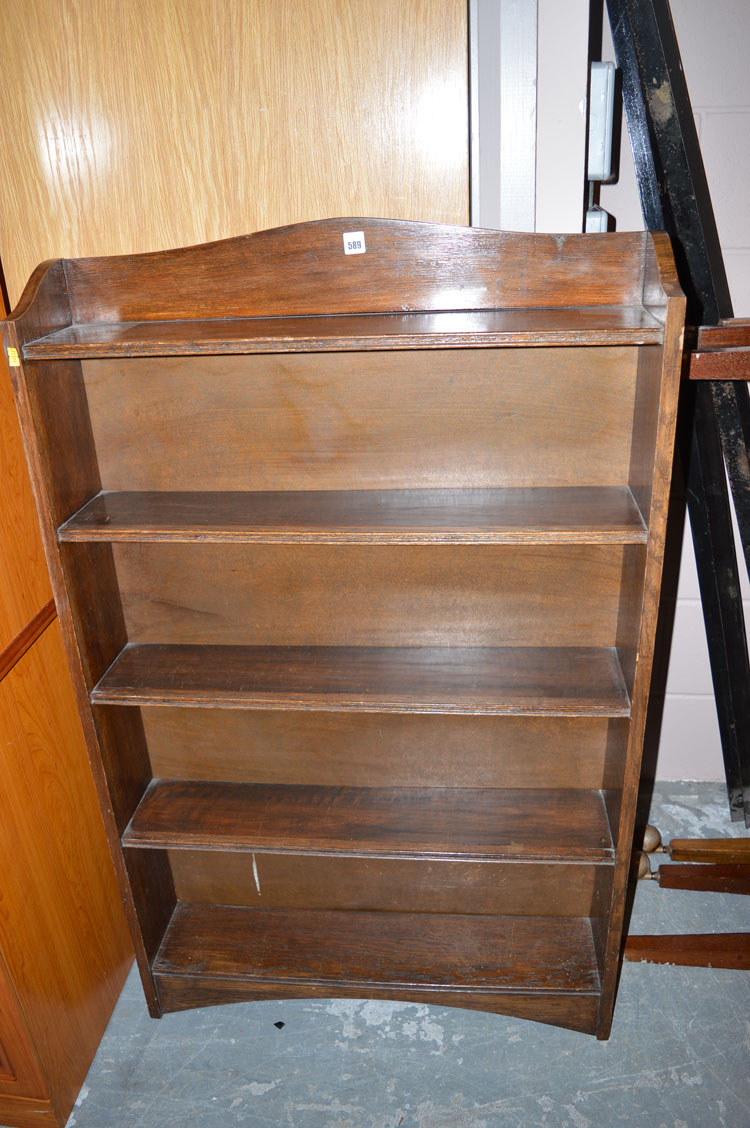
x,y
220,118
24,583
61,929
19,1076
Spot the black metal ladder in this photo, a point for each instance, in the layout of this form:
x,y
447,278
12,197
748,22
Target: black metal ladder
x,y
716,413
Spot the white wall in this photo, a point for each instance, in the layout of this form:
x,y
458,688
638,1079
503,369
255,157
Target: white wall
x,y
562,73
529,74
714,39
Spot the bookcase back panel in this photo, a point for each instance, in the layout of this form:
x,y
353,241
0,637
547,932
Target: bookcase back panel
x,y
409,419
344,595
391,884
380,749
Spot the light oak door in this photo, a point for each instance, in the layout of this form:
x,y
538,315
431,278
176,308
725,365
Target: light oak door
x,y
135,125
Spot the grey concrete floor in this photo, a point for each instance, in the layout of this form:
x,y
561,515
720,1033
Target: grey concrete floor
x,y
679,1055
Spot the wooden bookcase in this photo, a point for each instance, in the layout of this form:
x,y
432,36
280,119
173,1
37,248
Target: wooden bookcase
x,y
358,560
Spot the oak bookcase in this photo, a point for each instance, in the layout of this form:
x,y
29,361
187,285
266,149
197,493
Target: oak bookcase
x,y
358,562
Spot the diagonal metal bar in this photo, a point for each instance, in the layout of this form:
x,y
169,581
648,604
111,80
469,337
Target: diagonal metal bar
x,y
675,197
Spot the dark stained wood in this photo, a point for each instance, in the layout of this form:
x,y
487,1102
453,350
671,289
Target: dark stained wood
x,y
394,749
68,482
152,890
311,881
65,474
424,490
574,1011
64,950
389,950
721,850
726,878
485,329
569,515
720,364
601,902
43,308
730,333
573,680
655,514
630,611
95,606
302,270
661,283
721,949
353,595
26,638
125,759
648,383
390,822
365,421
722,351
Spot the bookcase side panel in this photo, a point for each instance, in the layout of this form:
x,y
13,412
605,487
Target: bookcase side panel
x,y
656,401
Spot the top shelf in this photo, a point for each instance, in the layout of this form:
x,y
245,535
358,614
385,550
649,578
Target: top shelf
x,y
492,328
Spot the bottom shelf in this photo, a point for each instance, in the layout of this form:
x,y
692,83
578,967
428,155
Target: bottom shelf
x,y
536,967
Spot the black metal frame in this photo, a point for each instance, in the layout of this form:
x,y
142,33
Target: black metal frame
x,y
715,415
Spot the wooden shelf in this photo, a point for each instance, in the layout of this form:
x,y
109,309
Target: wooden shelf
x,y
584,515
578,681
386,822
489,328
390,951
202,506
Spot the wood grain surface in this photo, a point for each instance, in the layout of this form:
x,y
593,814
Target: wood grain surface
x,y
538,629
24,583
652,466
720,364
19,1068
476,953
362,421
22,1112
700,949
352,595
722,351
306,881
433,822
503,516
625,325
303,270
731,333
534,680
61,927
359,750
720,850
730,877
574,1011
215,119
26,637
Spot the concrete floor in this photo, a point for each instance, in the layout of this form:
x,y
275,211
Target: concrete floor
x,y
679,1055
